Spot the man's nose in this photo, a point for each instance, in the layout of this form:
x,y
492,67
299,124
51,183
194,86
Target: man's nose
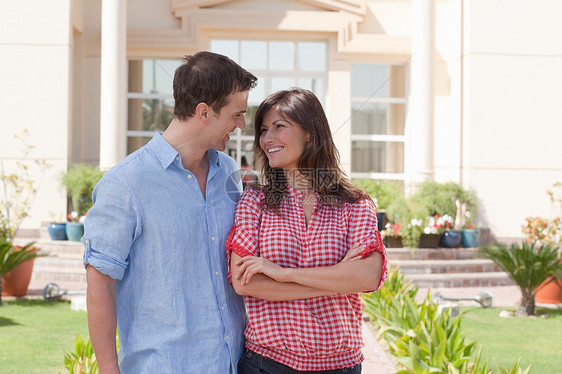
x,y
242,123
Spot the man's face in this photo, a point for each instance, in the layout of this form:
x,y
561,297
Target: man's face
x,y
231,116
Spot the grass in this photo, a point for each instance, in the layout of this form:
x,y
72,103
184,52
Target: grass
x,y
538,341
35,335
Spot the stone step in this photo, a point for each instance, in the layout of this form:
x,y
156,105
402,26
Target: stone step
x,y
445,266
60,247
489,279
431,253
59,274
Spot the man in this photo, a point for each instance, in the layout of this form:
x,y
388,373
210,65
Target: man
x,y
154,239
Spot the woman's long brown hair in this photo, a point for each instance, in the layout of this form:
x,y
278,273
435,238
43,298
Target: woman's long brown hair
x,y
319,162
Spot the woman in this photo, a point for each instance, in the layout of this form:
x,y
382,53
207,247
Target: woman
x,y
302,247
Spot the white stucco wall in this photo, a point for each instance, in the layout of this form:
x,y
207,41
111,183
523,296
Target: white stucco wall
x,y
512,112
34,71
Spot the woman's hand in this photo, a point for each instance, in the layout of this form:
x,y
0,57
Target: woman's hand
x,y
353,253
251,265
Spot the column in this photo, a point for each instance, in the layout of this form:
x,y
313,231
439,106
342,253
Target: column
x,y
419,126
113,103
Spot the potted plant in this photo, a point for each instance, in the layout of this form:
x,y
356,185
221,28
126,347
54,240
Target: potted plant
x,y
10,260
57,229
391,235
16,195
383,195
75,226
528,265
79,181
546,232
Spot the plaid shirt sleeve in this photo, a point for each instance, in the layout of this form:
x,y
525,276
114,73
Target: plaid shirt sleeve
x,y
364,232
243,237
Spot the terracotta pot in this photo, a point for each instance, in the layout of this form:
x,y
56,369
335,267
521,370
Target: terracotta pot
x,y
15,282
549,292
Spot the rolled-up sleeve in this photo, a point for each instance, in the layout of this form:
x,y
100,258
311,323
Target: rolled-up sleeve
x,y
363,222
111,226
243,238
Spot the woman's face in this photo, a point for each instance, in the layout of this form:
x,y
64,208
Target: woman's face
x,y
282,141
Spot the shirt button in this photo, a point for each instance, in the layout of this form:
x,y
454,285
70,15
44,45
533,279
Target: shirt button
x,y
222,307
189,176
87,241
212,238
227,337
177,157
216,273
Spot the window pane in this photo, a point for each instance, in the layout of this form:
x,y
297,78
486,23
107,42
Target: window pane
x,y
282,83
250,113
135,142
281,55
150,114
158,76
226,47
313,84
312,56
369,80
377,157
377,118
257,94
254,55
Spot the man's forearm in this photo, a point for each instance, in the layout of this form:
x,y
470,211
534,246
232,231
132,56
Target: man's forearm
x,y
102,319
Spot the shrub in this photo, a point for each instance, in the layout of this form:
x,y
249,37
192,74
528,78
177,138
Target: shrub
x,y
528,265
83,359
80,181
423,339
383,193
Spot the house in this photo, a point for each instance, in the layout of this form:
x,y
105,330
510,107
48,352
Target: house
x,y
452,90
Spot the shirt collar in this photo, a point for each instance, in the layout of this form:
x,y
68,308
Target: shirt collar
x,y
166,154
162,150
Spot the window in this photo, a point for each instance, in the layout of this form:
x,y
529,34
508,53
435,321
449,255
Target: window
x,y
378,103
279,65
150,99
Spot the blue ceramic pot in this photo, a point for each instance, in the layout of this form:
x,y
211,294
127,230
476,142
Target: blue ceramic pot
x,y
451,239
57,231
470,238
74,231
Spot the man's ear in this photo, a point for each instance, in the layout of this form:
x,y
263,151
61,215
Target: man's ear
x,y
202,111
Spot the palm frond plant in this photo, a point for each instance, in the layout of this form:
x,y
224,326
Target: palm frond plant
x,y
528,265
10,258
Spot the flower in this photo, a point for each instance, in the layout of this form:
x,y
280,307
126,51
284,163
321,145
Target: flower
x,y
73,216
438,224
543,231
391,229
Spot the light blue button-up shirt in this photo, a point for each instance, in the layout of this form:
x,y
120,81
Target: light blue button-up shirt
x,y
152,230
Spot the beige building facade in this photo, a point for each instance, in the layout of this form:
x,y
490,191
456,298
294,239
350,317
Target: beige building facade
x,y
450,90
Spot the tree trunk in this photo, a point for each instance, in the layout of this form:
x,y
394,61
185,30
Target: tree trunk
x,y
527,307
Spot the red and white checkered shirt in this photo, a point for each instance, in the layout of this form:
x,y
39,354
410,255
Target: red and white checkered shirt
x,y
321,333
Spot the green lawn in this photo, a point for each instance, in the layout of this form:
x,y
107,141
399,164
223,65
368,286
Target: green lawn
x,y
538,341
35,335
